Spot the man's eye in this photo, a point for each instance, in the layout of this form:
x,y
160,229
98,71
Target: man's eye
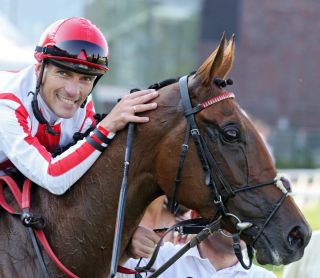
x,y
62,72
89,78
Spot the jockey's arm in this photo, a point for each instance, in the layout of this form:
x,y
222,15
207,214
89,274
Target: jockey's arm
x,y
58,174
32,159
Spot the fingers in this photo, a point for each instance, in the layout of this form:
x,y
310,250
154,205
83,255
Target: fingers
x,y
143,243
139,97
144,94
143,248
125,111
144,107
144,234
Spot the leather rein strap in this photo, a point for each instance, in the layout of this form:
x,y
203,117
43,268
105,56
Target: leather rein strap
x,y
23,201
122,203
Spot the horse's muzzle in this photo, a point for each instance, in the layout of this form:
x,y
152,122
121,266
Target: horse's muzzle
x,y
290,248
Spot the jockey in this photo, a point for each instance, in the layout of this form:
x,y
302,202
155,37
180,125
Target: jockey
x,y
43,106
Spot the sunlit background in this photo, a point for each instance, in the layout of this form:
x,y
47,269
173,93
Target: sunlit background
x,y
276,71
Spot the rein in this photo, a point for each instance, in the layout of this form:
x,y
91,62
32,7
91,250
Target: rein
x,y
122,201
204,234
180,226
121,204
34,223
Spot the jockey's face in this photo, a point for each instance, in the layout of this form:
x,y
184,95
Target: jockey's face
x,y
63,90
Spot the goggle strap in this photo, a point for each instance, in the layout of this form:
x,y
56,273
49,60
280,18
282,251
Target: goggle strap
x,y
75,69
52,51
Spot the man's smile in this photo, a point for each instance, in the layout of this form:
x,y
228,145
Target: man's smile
x,y
67,100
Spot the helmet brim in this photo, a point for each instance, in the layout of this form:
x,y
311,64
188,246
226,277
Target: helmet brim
x,y
76,67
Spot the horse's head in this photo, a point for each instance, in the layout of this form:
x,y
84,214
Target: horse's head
x,y
241,169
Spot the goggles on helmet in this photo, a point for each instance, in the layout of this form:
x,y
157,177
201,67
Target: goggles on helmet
x,y
73,48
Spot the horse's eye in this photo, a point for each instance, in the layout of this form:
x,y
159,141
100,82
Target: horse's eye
x,y
231,134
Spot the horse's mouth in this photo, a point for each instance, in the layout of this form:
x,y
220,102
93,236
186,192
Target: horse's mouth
x,y
266,253
272,252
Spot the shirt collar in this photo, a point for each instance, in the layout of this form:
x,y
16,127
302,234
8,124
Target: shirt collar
x,y
47,112
194,252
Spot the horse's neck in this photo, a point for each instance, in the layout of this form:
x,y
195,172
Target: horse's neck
x,y
84,218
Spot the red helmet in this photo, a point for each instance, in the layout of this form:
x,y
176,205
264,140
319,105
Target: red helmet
x,y
75,43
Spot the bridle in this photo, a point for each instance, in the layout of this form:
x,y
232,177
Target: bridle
x,y
212,176
212,173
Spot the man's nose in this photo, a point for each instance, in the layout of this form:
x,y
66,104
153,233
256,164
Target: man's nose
x,y
72,88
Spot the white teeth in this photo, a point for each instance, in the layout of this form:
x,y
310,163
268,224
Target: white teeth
x,y
66,100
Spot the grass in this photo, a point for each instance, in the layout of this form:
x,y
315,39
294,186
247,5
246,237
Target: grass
x,y
311,212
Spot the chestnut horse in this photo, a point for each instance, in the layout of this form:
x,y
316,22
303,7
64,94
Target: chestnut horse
x,y
81,223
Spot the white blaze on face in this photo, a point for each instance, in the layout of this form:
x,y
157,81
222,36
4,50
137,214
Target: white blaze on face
x,y
276,257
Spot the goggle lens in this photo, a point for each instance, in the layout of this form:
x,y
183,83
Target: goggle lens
x,y
95,53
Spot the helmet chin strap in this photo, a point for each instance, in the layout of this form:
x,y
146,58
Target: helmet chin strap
x,y
34,103
94,84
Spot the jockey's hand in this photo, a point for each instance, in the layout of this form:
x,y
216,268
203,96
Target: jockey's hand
x,y
143,243
125,110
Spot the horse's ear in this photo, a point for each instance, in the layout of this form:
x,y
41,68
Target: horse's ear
x,y
212,63
228,58
219,63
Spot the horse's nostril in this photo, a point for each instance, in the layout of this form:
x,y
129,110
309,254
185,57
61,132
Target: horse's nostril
x,y
295,238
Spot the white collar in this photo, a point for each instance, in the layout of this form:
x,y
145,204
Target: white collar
x,y
194,252
47,113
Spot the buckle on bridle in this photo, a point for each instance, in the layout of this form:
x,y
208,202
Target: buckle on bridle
x,y
219,201
184,147
195,131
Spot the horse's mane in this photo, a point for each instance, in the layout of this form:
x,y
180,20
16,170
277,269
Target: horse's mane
x,y
166,82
